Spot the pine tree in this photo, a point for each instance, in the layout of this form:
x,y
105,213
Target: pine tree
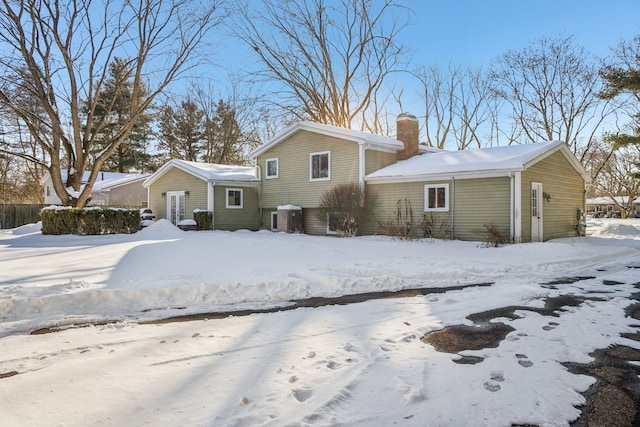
x,y
112,108
620,80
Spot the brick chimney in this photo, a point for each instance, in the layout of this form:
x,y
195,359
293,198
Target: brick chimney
x,y
407,131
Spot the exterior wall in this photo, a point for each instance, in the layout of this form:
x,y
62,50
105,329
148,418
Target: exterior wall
x,y
375,160
178,180
235,219
293,185
472,204
406,199
565,186
477,202
132,195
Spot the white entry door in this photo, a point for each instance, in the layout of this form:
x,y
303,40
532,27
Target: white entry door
x,y
536,212
175,206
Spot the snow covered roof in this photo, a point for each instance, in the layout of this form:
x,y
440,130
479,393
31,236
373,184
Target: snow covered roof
x,y
361,137
209,172
112,180
486,162
606,200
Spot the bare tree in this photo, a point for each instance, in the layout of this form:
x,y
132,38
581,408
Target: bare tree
x,y
231,130
459,106
616,178
331,57
61,52
551,86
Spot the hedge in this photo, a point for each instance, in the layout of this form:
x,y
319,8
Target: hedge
x,y
89,221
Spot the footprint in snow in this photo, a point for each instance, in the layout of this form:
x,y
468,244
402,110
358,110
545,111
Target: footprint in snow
x,y
550,326
524,361
302,394
496,378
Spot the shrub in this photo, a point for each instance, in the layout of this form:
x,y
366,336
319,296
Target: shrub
x,y
402,225
89,221
204,219
495,237
345,207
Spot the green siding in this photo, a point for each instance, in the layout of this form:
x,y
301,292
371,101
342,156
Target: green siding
x,y
376,160
178,180
293,185
479,202
235,219
409,197
224,219
564,184
474,203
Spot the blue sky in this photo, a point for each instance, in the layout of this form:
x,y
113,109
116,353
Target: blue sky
x,y
469,32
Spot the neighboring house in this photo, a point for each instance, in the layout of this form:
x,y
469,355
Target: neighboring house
x,y
530,192
110,189
605,206
231,192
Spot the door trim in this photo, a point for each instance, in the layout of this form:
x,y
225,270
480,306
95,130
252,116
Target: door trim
x,y
537,232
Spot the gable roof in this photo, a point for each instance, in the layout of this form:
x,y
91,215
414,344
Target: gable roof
x,y
117,180
209,172
371,140
487,162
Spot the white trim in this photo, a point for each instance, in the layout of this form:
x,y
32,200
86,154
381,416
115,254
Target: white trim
x,y
539,210
211,196
226,198
178,195
517,207
427,187
320,153
266,168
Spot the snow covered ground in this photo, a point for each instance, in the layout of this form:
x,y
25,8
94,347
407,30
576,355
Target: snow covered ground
x,y
353,365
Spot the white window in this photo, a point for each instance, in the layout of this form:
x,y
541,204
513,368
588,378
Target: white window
x,y
272,168
436,197
234,198
320,166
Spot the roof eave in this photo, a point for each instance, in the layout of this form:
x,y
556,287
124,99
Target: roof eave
x,y
444,176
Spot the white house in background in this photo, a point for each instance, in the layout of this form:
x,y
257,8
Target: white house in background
x,y
110,189
605,206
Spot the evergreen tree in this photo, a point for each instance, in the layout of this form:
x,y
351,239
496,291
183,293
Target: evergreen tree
x,y
112,109
622,80
181,131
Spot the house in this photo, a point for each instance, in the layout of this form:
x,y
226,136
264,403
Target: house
x,y
307,159
110,189
605,206
530,192
180,187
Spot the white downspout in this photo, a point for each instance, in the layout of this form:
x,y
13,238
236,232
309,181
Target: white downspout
x,y
211,203
361,165
517,207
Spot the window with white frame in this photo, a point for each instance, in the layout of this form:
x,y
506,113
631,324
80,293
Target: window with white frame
x,y
436,197
320,166
272,168
234,198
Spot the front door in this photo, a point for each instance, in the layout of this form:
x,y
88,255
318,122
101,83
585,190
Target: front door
x,y
536,212
175,206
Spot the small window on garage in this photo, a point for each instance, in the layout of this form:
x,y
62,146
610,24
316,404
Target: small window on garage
x,y
436,197
234,198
